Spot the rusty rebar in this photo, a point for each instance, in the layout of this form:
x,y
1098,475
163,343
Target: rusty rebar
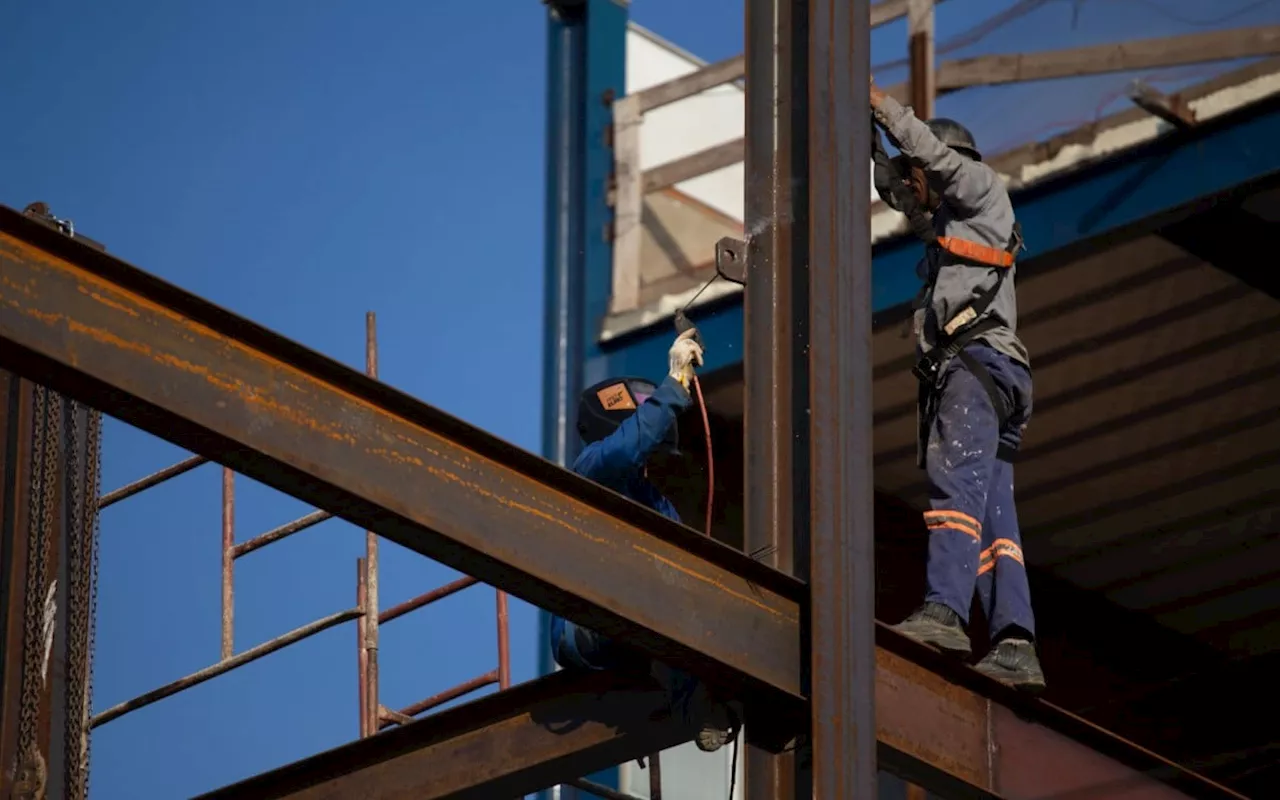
x,y
504,643
371,556
426,598
655,776
278,533
362,664
252,654
461,690
228,562
154,479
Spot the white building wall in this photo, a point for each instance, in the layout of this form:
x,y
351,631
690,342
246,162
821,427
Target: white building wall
x,y
682,128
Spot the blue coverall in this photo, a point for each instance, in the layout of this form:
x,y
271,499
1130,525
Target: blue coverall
x,y
617,462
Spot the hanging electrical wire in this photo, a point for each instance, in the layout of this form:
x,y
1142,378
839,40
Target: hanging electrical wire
x,y
975,34
1203,23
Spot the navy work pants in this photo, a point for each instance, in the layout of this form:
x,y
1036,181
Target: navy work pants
x,y
974,541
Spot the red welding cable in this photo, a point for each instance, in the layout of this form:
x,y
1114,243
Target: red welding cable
x,y
711,461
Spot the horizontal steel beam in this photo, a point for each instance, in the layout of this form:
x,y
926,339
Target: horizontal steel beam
x,y
508,744
952,731
183,369
935,731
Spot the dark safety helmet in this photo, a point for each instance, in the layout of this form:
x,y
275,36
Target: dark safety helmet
x,y
955,136
604,406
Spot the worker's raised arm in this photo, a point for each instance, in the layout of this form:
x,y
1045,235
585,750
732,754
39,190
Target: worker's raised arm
x,y
964,184
625,450
628,448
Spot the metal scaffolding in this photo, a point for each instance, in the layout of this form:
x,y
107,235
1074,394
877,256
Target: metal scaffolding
x,y
373,716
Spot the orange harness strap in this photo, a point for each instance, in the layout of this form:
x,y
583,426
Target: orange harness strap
x,y
973,251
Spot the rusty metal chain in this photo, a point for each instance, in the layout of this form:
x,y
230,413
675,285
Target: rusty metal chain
x,y
93,487
32,772
79,550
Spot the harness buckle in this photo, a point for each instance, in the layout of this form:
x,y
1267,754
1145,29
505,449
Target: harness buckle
x,y
926,369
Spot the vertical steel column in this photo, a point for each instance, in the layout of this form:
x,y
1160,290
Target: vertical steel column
x,y
228,562
371,560
16,458
776,307
842,578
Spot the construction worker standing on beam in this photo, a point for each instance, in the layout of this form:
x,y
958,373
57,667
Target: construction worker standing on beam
x,y
626,423
975,388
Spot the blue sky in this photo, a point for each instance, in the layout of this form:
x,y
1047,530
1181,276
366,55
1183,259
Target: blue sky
x,y
301,163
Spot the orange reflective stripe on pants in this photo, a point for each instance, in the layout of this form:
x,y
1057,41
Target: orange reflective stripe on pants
x,y
953,520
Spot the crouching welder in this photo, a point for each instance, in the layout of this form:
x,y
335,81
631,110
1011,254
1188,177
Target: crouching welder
x,y
624,423
975,387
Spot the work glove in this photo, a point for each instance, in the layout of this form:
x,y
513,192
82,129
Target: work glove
x,y
684,354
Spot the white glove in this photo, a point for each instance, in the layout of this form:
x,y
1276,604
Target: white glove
x,y
684,354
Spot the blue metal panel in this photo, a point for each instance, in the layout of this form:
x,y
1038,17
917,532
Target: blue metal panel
x,y
1136,190
562,336
586,62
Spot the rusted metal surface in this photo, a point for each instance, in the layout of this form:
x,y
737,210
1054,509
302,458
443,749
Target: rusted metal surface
x,y
534,735
461,690
936,732
504,642
841,501
655,776
370,605
15,459
362,664
154,479
186,370
36,771
228,563
280,532
226,665
775,126
49,453
952,739
426,598
774,306
921,56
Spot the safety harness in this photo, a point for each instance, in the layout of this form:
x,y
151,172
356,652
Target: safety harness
x,y
971,322
968,325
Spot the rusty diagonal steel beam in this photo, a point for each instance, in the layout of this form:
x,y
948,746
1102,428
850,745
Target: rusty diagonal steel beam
x,y
506,744
177,366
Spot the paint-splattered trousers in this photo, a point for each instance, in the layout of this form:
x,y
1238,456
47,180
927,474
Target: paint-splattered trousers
x,y
974,541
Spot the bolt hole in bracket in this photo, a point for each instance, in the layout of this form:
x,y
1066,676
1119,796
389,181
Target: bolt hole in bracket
x,y
731,260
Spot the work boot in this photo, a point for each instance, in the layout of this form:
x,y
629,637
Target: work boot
x,y
1014,663
937,625
719,727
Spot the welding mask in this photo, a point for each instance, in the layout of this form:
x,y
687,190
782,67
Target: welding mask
x,y
604,406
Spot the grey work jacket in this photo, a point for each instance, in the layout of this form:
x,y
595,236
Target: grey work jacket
x,y
975,206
